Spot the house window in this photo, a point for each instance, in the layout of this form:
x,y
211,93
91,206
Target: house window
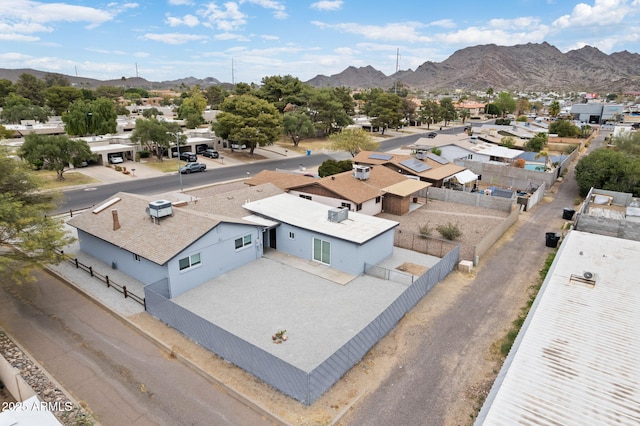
x,y
347,205
322,251
306,197
292,236
378,199
470,157
189,262
243,242
358,207
136,257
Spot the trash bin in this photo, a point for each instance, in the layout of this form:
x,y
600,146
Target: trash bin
x,y
567,213
308,152
552,239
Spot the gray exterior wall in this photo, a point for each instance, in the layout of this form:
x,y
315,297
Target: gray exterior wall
x,y
218,255
304,386
508,176
346,256
144,270
469,198
619,228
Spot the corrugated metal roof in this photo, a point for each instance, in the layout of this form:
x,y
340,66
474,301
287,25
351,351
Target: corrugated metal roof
x,y
313,216
576,360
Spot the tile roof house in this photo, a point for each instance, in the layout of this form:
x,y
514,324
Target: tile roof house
x,y
366,191
431,168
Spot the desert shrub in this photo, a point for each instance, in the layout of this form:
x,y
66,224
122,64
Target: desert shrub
x,y
144,154
425,230
118,169
519,163
449,231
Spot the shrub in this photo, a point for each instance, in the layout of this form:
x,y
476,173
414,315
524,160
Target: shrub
x,y
449,231
144,154
118,169
425,231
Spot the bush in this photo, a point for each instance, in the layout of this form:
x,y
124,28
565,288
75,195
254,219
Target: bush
x,y
449,231
425,231
118,169
144,154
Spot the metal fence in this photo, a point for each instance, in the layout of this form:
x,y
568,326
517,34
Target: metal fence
x,y
122,289
304,386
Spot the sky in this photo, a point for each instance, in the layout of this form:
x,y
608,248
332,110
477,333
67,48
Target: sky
x,y
246,40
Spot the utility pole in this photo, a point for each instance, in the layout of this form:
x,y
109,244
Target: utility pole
x,y
395,86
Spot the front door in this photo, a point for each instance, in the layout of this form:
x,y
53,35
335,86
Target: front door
x,y
272,238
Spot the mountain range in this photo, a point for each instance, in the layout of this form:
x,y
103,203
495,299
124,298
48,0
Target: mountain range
x,y
524,67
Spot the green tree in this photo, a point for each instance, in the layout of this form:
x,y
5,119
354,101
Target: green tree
x,y
58,98
156,136
408,109
55,79
248,120
522,106
29,237
508,142
32,88
537,143
554,109
243,89
192,108
152,112
385,111
492,109
297,125
505,103
628,142
4,133
610,170
109,92
333,167
18,108
464,113
215,96
564,129
343,95
281,91
56,152
447,110
6,87
90,117
430,112
353,141
327,111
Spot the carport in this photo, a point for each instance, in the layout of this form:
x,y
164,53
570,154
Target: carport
x,y
103,152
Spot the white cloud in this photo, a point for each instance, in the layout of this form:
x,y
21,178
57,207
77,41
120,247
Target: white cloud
x,y
180,2
443,23
402,31
473,36
231,36
278,8
228,18
172,38
602,13
188,20
327,5
269,37
515,24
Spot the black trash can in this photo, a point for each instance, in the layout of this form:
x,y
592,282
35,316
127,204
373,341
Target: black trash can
x,y
552,239
567,213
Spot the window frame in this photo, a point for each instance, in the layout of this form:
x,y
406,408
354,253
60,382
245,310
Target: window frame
x,y
193,261
245,241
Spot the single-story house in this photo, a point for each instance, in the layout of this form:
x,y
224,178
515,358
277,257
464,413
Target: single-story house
x,y
364,189
429,168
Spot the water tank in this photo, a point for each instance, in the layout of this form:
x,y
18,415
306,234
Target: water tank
x,y
160,208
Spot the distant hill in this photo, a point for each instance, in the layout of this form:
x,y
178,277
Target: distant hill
x,y
525,67
131,82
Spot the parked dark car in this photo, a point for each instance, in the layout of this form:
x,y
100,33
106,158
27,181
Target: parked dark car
x,y
432,135
211,153
193,167
188,156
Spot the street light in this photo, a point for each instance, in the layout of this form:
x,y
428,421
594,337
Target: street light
x,y
177,135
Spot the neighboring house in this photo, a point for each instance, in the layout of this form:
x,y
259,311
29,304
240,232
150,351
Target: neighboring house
x,y
429,168
365,189
574,361
476,109
468,149
611,213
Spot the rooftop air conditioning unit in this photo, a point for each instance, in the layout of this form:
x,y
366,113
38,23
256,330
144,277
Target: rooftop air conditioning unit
x,y
361,172
160,208
338,214
421,155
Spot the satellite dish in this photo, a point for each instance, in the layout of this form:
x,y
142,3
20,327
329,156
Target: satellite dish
x,y
588,275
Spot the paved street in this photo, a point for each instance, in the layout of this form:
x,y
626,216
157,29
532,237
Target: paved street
x,y
123,377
